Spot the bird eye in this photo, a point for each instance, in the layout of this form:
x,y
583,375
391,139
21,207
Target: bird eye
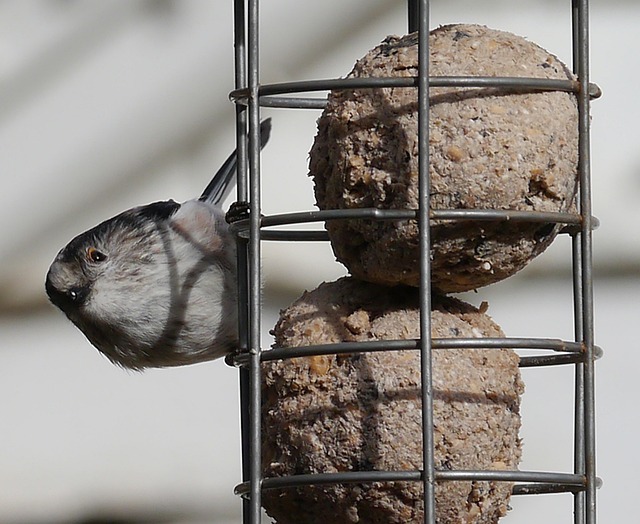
x,y
95,256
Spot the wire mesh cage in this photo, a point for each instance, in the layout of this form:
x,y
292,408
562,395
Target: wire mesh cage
x,y
250,95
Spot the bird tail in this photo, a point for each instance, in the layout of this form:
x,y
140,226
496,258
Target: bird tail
x,y
223,181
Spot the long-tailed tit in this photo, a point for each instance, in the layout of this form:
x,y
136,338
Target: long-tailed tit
x,y
155,286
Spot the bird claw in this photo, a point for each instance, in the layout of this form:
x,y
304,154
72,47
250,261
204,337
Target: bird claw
x,y
238,211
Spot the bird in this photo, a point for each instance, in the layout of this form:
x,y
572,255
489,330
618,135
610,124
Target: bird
x,y
156,285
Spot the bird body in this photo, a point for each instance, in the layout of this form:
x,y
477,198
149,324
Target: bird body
x,y
156,285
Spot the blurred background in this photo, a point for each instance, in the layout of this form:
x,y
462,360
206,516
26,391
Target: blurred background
x,y
107,105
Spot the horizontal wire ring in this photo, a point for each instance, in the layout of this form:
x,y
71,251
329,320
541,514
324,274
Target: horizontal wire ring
x,y
571,352
554,481
269,93
571,221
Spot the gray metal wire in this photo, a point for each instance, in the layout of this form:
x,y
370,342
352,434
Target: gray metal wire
x,y
271,94
249,96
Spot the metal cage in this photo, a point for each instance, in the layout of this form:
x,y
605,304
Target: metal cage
x,y
249,96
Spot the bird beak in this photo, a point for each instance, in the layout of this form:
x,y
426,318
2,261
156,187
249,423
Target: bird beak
x,y
62,295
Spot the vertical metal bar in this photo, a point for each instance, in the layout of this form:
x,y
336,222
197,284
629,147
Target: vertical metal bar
x,y
575,22
255,302
239,40
245,386
584,168
240,57
578,431
412,11
428,460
